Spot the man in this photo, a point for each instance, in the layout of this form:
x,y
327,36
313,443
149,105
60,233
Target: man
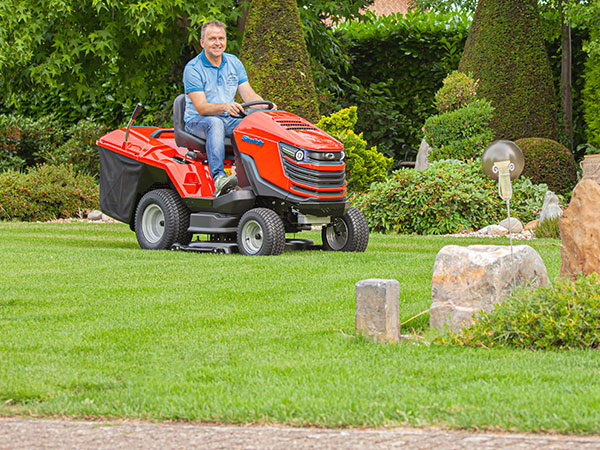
x,y
211,81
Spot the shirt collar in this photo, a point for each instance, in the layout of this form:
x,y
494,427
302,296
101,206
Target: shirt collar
x,y
207,63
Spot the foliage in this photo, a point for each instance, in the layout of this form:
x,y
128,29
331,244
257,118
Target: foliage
x,y
329,63
24,141
460,134
397,63
446,197
275,56
548,229
444,5
10,135
591,96
458,90
363,165
80,150
549,162
562,316
46,192
586,13
98,58
505,51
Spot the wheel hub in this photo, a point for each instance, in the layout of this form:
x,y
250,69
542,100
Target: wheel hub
x,y
153,223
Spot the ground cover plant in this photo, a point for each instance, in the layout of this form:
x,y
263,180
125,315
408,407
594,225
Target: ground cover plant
x,y
564,316
93,326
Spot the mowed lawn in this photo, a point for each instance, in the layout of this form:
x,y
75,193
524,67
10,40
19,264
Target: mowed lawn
x,y
90,325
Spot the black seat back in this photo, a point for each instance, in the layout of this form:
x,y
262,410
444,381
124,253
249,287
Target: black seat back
x,y
182,137
190,141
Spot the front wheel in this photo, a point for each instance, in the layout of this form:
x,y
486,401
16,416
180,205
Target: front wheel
x,y
349,233
161,220
261,232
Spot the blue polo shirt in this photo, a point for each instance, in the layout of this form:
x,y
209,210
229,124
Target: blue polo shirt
x,y
219,84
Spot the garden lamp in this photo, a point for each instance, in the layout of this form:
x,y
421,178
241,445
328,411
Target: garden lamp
x,y
503,161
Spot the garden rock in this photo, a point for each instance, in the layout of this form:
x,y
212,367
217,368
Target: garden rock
x,y
531,225
580,231
551,208
468,280
493,230
423,156
515,225
94,215
378,309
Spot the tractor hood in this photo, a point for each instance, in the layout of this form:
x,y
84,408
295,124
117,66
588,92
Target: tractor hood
x,y
281,126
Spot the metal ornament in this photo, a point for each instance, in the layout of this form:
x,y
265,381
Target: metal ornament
x,y
504,161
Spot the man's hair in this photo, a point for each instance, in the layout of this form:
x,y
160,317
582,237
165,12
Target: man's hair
x,y
212,23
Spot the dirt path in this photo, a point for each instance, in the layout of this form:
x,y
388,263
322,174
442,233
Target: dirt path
x,y
16,433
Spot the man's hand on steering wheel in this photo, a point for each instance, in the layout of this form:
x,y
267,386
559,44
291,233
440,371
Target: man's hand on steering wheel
x,y
246,108
234,109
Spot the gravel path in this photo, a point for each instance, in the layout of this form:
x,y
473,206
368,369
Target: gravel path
x,y
44,433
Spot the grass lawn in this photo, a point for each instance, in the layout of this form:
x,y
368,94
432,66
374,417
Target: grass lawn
x,y
90,325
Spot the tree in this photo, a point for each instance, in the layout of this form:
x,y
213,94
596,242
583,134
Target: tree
x,y
587,13
76,58
505,52
276,59
98,58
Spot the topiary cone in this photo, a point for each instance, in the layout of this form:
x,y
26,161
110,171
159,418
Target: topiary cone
x,y
276,59
505,52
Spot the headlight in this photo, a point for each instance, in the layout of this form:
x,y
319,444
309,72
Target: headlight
x,y
293,152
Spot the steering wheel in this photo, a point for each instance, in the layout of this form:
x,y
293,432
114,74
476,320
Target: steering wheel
x,y
248,110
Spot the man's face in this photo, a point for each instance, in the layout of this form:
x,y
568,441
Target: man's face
x,y
214,42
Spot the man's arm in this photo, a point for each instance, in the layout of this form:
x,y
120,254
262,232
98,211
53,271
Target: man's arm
x,y
249,95
205,108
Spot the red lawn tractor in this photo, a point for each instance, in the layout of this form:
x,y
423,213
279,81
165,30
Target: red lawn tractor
x,y
291,178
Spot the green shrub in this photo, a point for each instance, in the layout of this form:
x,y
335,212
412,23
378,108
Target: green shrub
x,y
80,150
10,134
446,197
564,315
547,161
46,192
591,99
459,90
460,134
363,165
24,141
548,229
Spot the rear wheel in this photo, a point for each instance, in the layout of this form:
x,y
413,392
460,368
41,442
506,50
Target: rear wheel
x,y
261,232
349,233
161,220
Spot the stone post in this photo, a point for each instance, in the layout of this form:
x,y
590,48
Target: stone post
x,y
378,309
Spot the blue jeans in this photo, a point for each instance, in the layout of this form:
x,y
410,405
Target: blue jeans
x,y
214,129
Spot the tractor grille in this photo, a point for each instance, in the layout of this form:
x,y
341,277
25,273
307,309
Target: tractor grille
x,y
292,124
314,182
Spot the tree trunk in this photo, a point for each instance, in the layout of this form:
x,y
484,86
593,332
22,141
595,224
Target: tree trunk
x,y
241,25
565,77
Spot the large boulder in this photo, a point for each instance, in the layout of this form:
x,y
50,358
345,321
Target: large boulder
x,y
468,280
580,231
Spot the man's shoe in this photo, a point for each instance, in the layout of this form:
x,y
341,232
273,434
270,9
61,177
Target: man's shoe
x,y
224,184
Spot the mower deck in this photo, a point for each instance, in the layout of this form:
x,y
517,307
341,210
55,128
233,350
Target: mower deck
x,y
232,247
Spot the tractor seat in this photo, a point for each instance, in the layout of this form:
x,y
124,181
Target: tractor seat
x,y
190,141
